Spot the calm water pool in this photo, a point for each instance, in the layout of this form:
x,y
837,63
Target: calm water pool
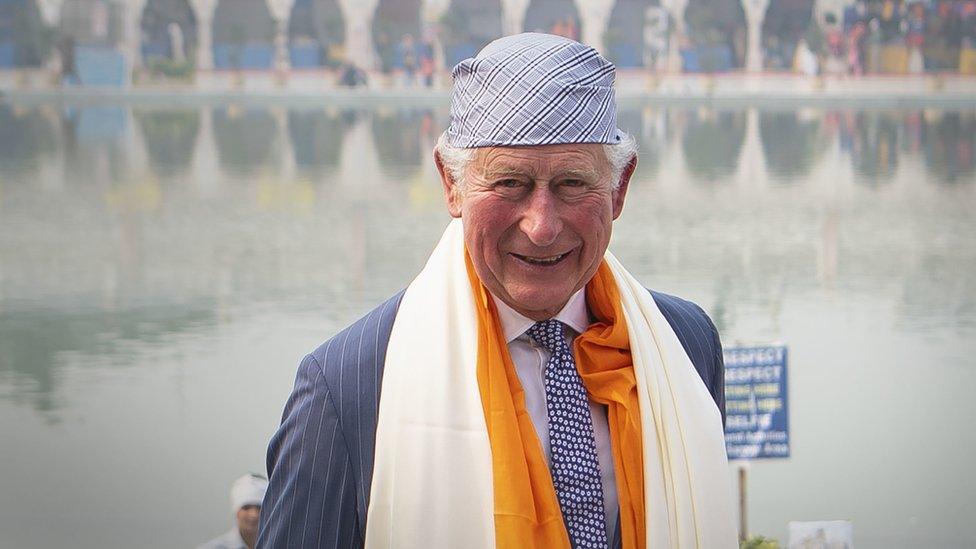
x,y
163,270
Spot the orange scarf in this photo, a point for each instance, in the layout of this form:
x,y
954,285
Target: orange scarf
x,y
527,512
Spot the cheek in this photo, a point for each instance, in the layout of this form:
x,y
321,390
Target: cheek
x,y
485,224
593,221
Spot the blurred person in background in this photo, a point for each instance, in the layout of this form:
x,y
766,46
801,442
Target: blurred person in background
x,y
66,51
385,52
967,53
246,495
915,23
351,76
856,47
408,56
804,60
834,60
426,62
943,38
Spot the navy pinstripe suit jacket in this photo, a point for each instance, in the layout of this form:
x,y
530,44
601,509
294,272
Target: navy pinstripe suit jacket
x,y
320,461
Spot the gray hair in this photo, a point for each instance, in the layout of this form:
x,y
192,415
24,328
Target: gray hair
x,y
456,159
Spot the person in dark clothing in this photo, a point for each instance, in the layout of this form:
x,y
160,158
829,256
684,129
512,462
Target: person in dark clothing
x,y
69,72
352,76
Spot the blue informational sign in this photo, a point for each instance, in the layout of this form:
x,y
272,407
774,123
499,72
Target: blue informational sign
x,y
757,413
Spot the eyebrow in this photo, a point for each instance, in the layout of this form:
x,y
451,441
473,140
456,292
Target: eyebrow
x,y
580,174
573,173
502,171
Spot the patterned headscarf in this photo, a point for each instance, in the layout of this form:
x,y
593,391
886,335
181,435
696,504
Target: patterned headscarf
x,y
533,89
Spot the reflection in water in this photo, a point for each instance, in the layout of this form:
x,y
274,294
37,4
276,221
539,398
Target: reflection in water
x,y
35,343
170,136
791,142
93,139
26,137
647,125
940,290
871,138
949,146
95,147
398,139
316,137
179,296
712,142
245,138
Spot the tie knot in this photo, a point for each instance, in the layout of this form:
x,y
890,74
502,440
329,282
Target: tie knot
x,y
549,334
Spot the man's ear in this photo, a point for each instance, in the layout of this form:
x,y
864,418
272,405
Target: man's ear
x,y
452,192
621,191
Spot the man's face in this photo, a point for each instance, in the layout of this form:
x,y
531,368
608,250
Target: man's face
x,y
537,220
247,519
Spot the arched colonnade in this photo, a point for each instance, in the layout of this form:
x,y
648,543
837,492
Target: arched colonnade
x,y
285,34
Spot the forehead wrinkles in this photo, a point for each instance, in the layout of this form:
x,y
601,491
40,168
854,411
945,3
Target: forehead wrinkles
x,y
541,161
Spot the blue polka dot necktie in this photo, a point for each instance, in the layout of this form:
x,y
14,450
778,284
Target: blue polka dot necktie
x,y
573,462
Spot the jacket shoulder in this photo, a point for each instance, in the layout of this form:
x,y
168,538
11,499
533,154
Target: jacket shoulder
x,y
352,365
361,344
675,308
700,340
320,460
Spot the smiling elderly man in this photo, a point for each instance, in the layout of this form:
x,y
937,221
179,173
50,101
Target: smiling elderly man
x,y
524,390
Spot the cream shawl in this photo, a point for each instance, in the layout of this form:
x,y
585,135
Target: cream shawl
x,y
432,476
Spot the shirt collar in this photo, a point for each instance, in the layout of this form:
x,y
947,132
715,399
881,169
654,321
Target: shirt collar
x,y
573,314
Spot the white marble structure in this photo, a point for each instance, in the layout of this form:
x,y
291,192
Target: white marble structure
x,y
358,18
203,11
281,13
755,11
594,16
676,9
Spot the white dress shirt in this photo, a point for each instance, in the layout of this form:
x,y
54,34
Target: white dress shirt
x,y
530,363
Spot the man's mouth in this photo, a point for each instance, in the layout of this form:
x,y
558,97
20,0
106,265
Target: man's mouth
x,y
542,261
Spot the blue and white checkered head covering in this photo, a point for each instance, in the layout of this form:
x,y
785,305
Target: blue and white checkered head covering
x,y
533,89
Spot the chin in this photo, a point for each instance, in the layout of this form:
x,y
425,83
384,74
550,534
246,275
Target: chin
x,y
533,303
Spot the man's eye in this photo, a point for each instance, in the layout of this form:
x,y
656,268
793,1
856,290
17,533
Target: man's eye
x,y
572,188
512,188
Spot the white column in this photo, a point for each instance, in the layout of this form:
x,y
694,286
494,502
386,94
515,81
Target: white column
x,y
433,10
676,9
431,13
281,13
132,40
176,42
755,14
203,11
513,16
358,16
51,14
655,38
594,16
50,11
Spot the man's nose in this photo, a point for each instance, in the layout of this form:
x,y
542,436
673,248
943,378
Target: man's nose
x,y
540,219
